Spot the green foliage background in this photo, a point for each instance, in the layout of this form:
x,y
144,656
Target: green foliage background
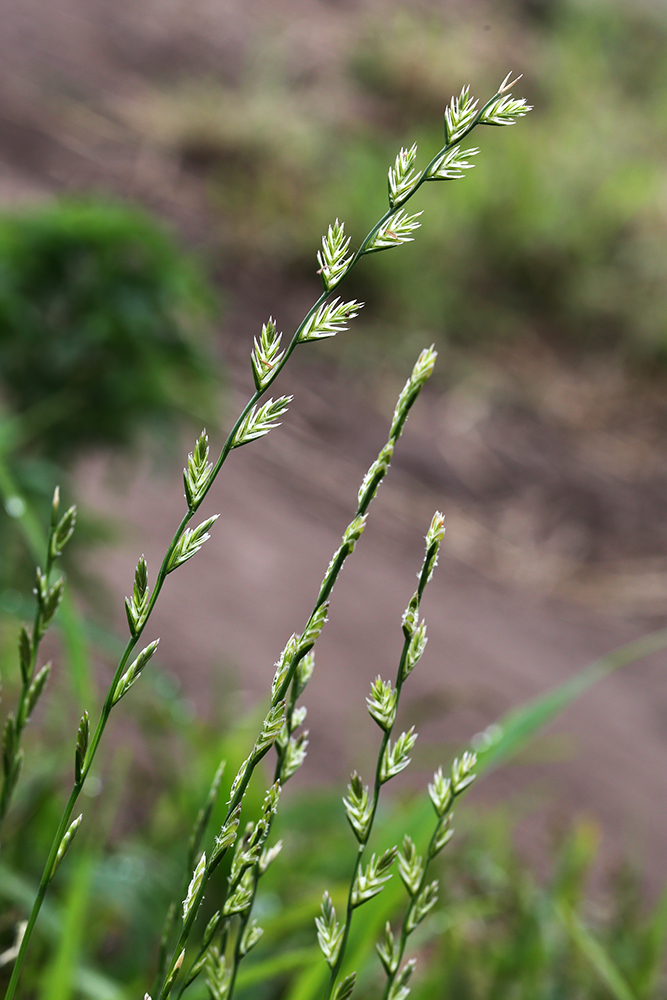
x,y
101,325
105,334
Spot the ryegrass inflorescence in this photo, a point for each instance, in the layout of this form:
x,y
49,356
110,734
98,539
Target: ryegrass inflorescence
x,y
232,932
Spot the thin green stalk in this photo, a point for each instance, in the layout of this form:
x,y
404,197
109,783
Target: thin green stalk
x,y
48,600
89,757
405,932
41,891
335,969
70,623
410,619
194,846
330,579
163,987
243,923
8,785
132,642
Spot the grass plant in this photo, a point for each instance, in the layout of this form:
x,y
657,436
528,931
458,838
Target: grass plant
x,y
34,681
202,948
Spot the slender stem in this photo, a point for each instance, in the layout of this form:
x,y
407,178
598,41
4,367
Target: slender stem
x,y
132,642
243,923
424,576
41,892
348,920
90,755
188,924
169,923
324,591
408,913
386,735
326,588
9,784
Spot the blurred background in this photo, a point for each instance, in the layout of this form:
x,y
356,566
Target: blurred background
x,y
166,172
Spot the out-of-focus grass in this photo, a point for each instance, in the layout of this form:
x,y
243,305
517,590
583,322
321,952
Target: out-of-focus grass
x,y
102,327
501,929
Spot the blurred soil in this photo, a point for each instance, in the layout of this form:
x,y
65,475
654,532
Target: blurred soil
x,y
552,476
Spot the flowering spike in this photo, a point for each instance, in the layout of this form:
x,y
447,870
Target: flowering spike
x,y
375,475
460,116
260,420
410,866
66,843
194,886
505,111
133,671
370,881
329,931
295,754
330,319
462,772
382,703
397,229
402,176
266,354
331,258
426,900
82,737
440,791
389,951
63,530
415,649
421,372
137,605
198,473
452,164
345,987
396,758
358,808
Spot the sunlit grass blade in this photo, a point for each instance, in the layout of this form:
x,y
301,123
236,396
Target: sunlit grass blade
x,y
59,978
512,732
20,891
291,961
598,956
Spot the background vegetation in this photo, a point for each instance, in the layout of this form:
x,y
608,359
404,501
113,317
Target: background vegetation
x,y
104,336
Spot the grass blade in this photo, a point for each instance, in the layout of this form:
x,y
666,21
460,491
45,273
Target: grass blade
x,y
595,953
511,733
58,979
